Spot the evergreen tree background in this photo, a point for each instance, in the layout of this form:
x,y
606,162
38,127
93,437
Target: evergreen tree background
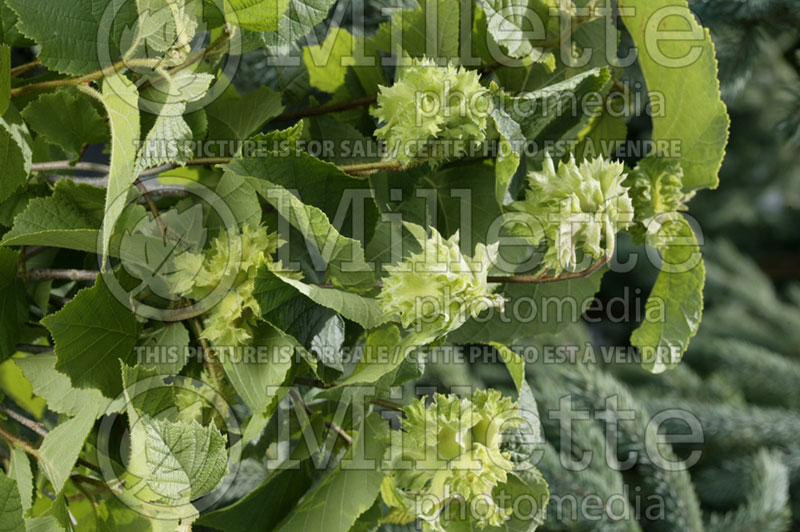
x,y
741,375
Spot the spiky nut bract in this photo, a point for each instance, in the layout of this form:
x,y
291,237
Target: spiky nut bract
x,y
231,261
656,189
579,208
449,451
432,113
439,288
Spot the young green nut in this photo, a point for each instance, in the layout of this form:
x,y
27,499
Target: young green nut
x,y
578,210
438,289
230,263
432,113
454,447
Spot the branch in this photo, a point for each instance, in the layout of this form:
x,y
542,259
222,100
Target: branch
x,y
66,275
39,429
118,67
35,426
21,69
210,362
314,383
389,405
85,79
153,209
16,441
33,349
345,105
54,166
543,279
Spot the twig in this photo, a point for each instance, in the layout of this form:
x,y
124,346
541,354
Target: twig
x,y
353,103
82,80
210,362
39,429
35,426
389,405
209,161
311,383
99,182
365,169
88,480
67,275
153,209
33,349
21,69
331,425
54,166
314,383
16,441
542,279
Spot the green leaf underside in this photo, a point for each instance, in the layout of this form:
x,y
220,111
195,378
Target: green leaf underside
x,y
62,445
56,388
695,115
20,471
121,100
271,289
344,257
663,341
184,460
15,153
256,380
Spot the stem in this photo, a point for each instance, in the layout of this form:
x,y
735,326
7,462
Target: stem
x,y
39,429
345,105
21,69
66,275
16,441
209,161
153,209
389,405
82,80
33,349
54,166
35,426
314,383
211,364
542,279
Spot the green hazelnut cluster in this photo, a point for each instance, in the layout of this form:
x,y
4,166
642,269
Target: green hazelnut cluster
x,y
432,113
439,288
449,451
577,208
230,265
